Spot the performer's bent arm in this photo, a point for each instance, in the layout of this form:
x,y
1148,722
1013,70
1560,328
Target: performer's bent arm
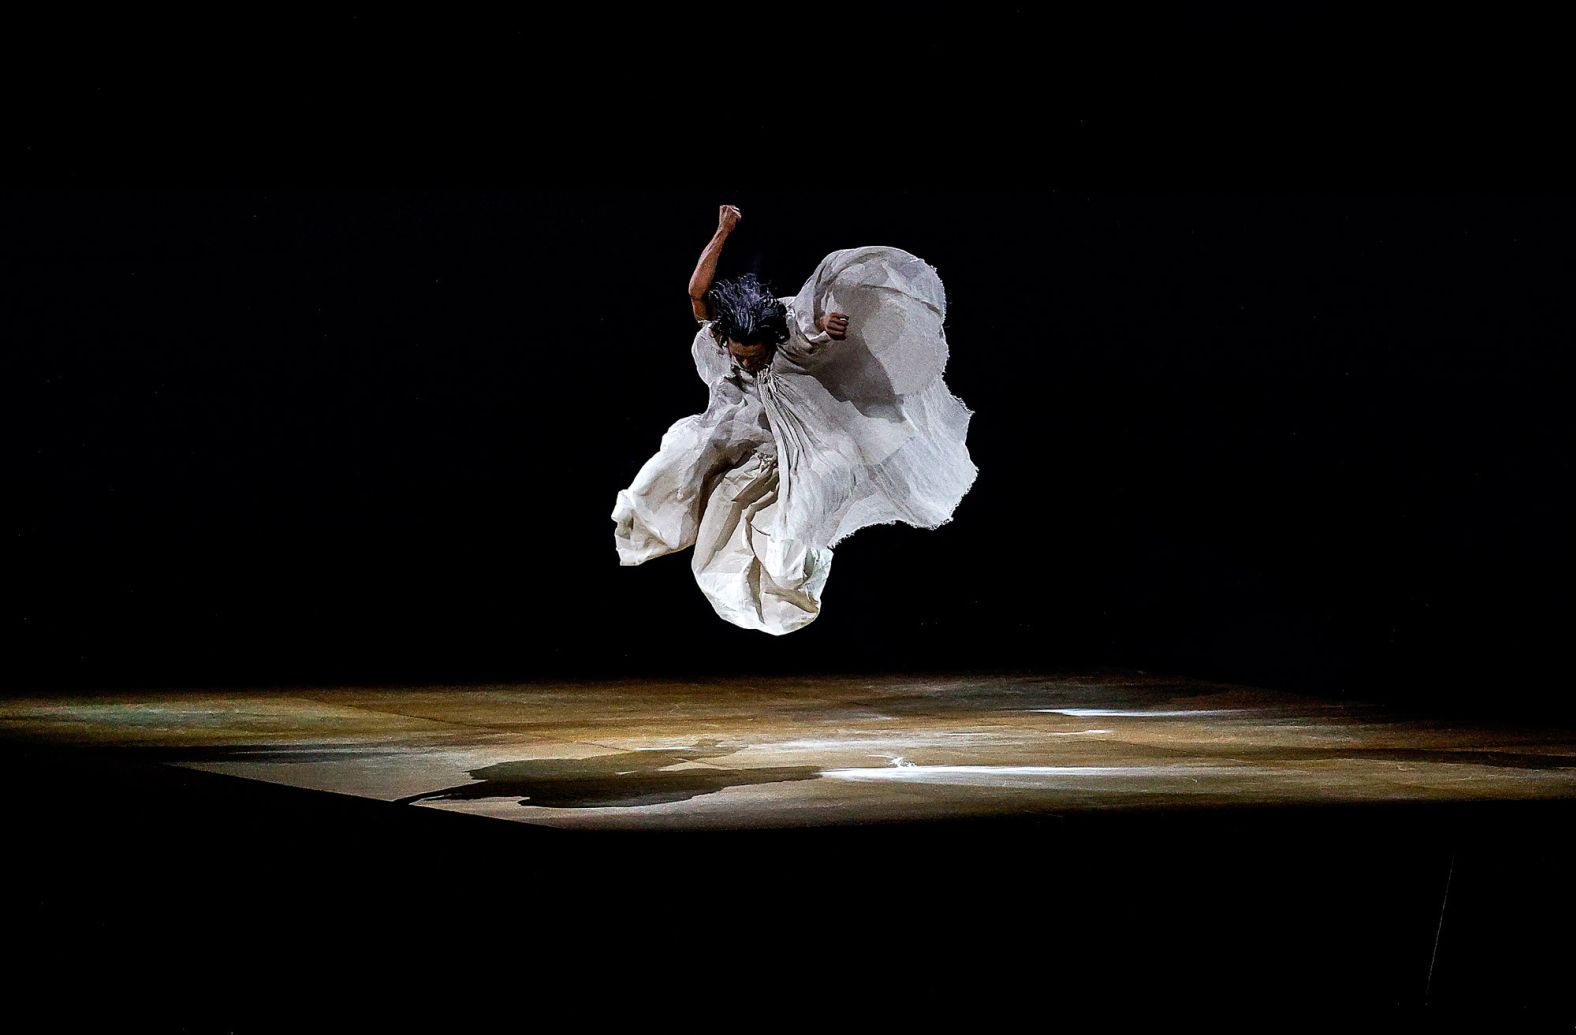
x,y
706,270
834,324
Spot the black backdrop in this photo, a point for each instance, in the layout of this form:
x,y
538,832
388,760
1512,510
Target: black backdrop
x,y
264,435
1316,441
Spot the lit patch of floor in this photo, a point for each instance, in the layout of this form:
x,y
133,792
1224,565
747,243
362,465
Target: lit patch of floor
x,y
1135,713
1009,775
812,751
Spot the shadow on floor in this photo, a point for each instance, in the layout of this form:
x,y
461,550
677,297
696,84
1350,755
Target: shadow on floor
x,y
626,779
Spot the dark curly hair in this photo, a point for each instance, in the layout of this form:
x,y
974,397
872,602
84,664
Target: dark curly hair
x,y
744,310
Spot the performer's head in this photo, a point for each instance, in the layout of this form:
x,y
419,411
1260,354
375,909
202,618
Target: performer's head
x,y
746,319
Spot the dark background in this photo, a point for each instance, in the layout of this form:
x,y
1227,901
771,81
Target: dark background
x,y
329,340
1309,440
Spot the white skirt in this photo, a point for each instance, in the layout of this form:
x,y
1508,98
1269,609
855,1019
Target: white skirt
x,y
753,579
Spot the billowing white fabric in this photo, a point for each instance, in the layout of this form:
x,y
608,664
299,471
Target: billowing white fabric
x,y
830,437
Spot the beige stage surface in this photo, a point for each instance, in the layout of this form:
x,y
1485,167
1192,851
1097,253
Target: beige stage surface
x,y
784,752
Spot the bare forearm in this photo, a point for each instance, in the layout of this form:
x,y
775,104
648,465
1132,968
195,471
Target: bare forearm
x,y
706,269
705,273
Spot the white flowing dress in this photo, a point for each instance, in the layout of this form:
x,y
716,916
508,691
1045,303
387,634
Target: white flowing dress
x,y
829,437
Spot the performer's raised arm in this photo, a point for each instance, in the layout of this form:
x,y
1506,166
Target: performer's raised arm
x,y
706,270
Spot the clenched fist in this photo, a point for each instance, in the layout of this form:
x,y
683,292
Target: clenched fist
x,y
728,217
835,325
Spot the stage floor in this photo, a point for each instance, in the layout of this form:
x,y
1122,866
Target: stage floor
x,y
776,752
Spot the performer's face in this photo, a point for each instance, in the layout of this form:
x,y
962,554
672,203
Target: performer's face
x,y
749,356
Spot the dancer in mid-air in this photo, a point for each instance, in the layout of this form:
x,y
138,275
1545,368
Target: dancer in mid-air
x,y
828,413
